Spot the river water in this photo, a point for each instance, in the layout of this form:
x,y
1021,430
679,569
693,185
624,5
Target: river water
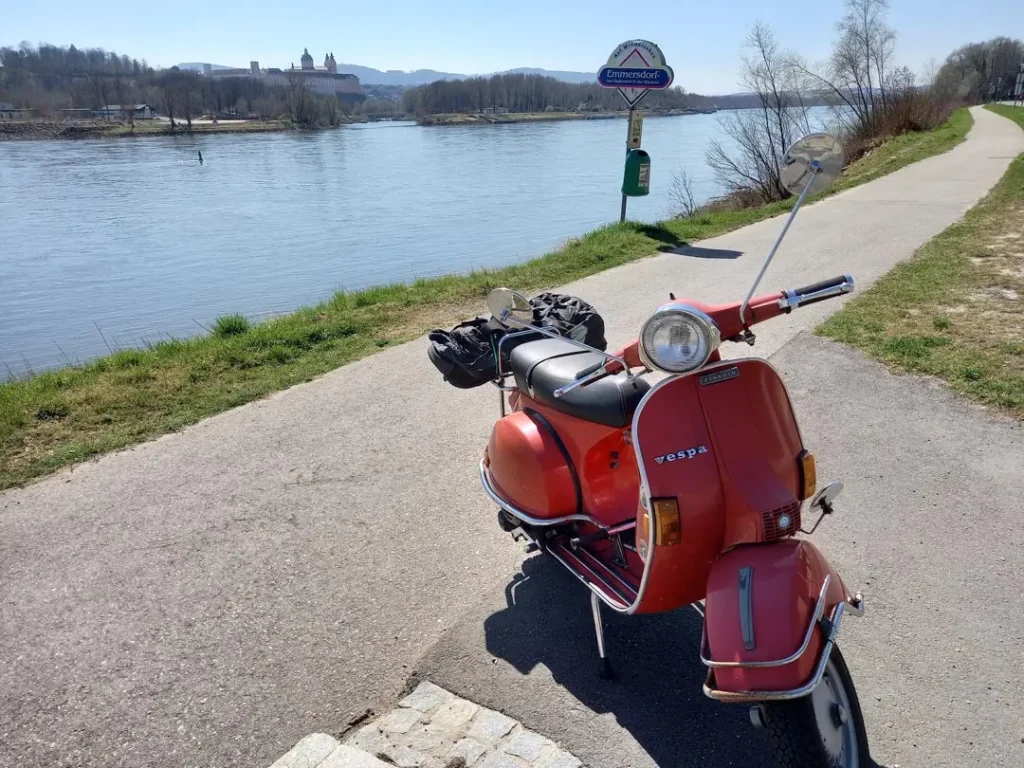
x,y
138,240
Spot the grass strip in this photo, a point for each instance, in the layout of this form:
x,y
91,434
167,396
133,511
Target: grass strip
x,y
955,309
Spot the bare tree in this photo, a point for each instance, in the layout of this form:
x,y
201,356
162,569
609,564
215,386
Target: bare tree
x,y
301,103
123,88
854,78
167,86
929,72
680,193
762,135
330,110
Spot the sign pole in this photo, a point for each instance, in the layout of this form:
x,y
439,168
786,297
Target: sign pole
x,y
629,135
634,68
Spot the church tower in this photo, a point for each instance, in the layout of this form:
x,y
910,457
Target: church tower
x,y
307,60
331,64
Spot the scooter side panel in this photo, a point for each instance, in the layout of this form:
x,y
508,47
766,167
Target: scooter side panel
x,y
675,447
529,468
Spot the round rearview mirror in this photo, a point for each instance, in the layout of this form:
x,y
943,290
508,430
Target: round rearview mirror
x,y
509,307
817,155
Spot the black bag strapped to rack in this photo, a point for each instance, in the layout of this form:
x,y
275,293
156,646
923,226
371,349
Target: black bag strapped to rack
x,y
570,316
467,355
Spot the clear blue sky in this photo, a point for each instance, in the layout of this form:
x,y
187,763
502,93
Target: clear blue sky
x,y
701,40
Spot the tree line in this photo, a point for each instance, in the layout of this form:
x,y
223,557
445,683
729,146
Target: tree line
x,y
523,93
54,78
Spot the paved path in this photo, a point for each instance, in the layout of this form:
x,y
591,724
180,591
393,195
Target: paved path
x,y
213,596
928,526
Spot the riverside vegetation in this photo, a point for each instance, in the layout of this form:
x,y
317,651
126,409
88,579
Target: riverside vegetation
x,y
63,416
954,309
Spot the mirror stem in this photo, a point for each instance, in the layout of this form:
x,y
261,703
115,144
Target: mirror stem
x,y
814,169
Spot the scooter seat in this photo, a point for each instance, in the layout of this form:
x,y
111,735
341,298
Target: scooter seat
x,y
541,367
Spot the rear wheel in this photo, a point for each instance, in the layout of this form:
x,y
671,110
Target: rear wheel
x,y
824,729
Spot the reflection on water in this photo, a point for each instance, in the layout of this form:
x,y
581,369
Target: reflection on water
x,y
138,239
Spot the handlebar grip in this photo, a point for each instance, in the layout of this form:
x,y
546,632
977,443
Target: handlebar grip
x,y
812,294
815,287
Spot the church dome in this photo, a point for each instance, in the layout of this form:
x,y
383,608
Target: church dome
x,y
307,60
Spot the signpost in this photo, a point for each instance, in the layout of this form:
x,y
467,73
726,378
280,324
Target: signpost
x,y
636,128
634,68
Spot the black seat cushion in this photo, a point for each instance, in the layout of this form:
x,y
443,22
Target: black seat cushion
x,y
541,367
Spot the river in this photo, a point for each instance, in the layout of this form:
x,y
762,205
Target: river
x,y
112,243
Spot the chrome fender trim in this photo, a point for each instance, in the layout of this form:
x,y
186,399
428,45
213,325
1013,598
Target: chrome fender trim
x,y
736,697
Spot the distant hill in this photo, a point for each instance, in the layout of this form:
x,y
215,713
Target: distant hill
x,y
568,77
371,76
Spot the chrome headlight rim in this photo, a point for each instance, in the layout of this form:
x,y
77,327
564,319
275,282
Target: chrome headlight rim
x,y
708,328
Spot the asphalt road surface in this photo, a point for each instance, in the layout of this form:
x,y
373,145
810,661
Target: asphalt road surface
x,y
212,596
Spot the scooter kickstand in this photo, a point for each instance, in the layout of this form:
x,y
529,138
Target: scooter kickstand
x,y
606,666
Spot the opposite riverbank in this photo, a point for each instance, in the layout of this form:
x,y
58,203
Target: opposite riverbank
x,y
68,415
104,129
531,117
954,310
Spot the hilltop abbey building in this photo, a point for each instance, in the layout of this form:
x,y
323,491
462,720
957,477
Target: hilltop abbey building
x,y
321,80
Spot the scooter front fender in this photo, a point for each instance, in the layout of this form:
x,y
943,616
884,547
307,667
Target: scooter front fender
x,y
771,615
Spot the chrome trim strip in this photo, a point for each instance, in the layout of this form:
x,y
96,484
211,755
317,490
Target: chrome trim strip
x,y
529,519
746,597
819,611
645,490
747,696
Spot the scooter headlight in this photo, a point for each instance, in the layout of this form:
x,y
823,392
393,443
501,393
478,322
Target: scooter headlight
x,y
678,339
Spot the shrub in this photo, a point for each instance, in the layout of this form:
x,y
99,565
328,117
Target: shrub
x,y
231,325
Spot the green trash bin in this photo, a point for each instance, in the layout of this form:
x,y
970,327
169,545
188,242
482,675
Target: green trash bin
x,y
636,182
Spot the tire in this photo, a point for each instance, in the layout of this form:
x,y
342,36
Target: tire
x,y
796,731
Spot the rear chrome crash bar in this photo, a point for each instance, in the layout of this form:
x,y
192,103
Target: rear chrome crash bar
x,y
540,522
856,608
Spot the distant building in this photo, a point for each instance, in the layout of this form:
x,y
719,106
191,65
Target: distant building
x,y
8,112
321,80
139,111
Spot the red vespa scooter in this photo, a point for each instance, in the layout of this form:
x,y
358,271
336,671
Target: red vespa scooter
x,y
693,489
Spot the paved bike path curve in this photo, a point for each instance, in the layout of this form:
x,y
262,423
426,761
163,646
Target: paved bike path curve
x,y
214,595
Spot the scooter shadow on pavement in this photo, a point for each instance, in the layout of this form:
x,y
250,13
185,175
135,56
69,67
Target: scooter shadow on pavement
x,y
656,693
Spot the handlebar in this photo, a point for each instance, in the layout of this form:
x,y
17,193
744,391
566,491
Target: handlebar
x,y
811,294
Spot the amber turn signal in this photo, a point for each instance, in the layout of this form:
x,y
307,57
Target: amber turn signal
x,y
669,529
808,475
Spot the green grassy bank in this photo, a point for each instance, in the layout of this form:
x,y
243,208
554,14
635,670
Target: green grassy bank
x,y
67,415
955,309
